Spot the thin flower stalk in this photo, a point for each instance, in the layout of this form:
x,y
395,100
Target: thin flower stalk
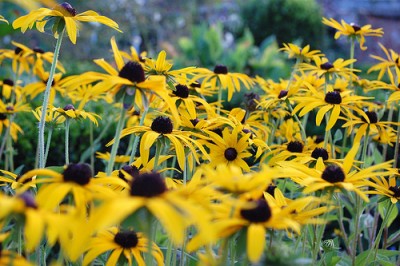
x,y
67,124
137,137
42,123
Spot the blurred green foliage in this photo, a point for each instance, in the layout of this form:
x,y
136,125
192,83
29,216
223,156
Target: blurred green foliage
x,y
288,20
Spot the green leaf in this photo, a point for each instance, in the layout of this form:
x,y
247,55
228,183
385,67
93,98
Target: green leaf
x,y
383,208
338,136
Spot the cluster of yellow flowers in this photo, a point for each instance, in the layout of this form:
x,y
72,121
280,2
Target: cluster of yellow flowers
x,y
198,183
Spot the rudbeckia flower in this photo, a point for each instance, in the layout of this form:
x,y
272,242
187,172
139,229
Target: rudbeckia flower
x,y
69,111
9,178
333,101
335,176
230,149
162,128
148,192
392,60
385,188
62,13
353,30
222,78
126,243
322,67
303,54
75,180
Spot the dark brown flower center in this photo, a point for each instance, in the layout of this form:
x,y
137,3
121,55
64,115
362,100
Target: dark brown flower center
x,y
271,190
130,170
126,239
132,71
8,82
319,139
395,190
230,154
326,66
282,94
320,152
221,69
250,101
181,91
333,174
18,50
260,213
69,107
162,125
3,116
295,146
28,199
355,27
372,116
148,185
38,50
333,97
66,7
79,173
194,121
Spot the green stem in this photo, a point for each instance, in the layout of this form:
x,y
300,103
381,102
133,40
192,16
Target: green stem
x,y
378,237
157,155
356,229
344,143
117,136
327,134
302,130
352,46
49,135
137,137
151,235
390,117
42,123
91,145
219,98
341,225
7,135
168,256
67,123
396,147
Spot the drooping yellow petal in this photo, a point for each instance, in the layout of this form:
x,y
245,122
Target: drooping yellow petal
x,y
255,242
71,28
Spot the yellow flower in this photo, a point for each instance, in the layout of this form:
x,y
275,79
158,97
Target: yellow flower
x,y
386,188
303,54
353,30
322,66
121,243
66,15
69,111
230,149
385,65
226,80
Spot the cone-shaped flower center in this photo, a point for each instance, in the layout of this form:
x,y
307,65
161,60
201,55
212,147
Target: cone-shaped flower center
x,y
333,174
38,50
295,146
355,27
396,191
132,71
220,69
333,97
8,82
282,94
260,213
162,125
320,152
181,91
271,190
326,66
69,107
148,185
372,116
230,154
28,199
126,239
66,9
18,50
251,100
79,173
130,170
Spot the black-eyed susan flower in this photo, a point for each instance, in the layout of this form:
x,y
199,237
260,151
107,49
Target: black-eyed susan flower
x,y
8,256
229,149
162,129
69,111
333,101
385,64
75,180
10,179
127,244
353,31
322,66
62,14
386,187
148,191
335,176
304,54
222,79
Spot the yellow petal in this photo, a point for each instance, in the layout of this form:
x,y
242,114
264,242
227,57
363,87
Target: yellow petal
x,y
70,25
255,242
